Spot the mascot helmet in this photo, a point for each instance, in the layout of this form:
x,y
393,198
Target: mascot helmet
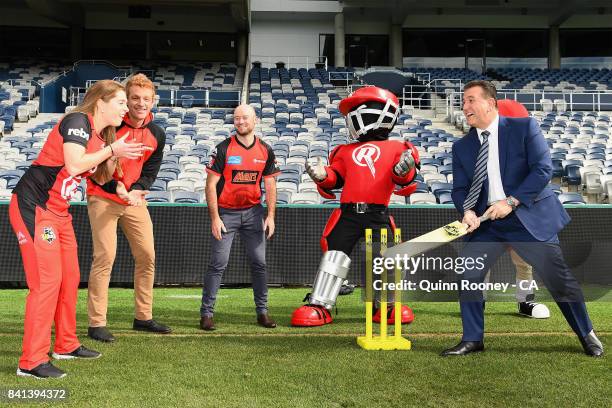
x,y
370,113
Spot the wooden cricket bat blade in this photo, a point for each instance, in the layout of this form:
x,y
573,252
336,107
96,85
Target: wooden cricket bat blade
x,y
429,241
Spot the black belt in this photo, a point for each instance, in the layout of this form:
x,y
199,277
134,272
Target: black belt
x,y
362,208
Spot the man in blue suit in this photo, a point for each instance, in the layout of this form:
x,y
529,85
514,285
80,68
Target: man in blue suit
x,y
501,170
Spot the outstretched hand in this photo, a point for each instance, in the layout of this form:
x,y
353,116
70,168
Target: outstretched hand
x,y
130,150
405,163
317,172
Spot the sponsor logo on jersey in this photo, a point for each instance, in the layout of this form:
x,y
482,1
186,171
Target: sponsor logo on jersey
x,y
258,161
244,176
234,160
21,238
366,155
78,132
48,235
69,186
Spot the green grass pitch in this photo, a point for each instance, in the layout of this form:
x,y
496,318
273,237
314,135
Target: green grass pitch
x,y
527,362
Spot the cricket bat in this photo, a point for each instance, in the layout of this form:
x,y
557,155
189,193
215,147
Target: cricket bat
x,y
429,241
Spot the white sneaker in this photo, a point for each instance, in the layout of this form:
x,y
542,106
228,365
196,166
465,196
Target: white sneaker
x,y
533,309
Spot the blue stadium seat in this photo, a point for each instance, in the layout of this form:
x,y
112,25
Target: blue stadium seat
x,y
557,167
421,187
440,188
572,175
571,198
283,197
445,198
158,185
187,197
158,197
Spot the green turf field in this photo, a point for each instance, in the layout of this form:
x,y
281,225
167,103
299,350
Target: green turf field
x,y
527,363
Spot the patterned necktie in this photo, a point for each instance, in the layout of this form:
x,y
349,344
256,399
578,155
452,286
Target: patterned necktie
x,y
480,173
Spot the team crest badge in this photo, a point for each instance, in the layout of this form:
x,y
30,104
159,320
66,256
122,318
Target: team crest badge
x,y
48,235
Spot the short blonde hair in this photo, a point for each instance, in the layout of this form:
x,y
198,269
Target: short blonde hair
x,y
140,80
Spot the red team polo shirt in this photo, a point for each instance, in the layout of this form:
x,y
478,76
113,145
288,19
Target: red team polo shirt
x,y
47,183
140,173
241,169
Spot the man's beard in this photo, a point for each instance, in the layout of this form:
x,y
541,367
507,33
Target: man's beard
x,y
246,133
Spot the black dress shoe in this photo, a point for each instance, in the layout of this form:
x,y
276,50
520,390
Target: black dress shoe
x,y
592,346
207,323
463,348
100,334
265,321
151,326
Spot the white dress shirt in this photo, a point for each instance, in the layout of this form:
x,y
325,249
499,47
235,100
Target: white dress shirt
x,y
496,188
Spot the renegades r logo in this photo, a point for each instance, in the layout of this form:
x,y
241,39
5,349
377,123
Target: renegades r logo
x,y
244,176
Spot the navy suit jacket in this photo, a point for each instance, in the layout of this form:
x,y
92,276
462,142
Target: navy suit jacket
x,y
526,170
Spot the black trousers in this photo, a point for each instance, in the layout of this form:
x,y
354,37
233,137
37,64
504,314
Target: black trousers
x,y
351,227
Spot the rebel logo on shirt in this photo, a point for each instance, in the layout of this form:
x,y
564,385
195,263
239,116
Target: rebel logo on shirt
x,y
78,132
367,155
244,176
48,235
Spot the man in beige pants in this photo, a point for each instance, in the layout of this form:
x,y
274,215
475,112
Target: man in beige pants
x,y
525,296
121,202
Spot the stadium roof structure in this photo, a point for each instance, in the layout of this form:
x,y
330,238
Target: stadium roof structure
x,y
71,12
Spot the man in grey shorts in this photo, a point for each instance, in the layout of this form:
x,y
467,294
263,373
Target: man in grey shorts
x,y
233,193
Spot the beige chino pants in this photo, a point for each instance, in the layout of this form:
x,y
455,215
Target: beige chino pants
x,y
135,222
524,271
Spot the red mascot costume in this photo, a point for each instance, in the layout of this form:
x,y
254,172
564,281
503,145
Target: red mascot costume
x,y
511,108
367,171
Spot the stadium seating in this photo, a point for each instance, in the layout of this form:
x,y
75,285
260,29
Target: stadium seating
x,y
555,80
300,121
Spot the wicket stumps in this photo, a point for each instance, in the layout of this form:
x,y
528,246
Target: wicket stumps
x,y
382,341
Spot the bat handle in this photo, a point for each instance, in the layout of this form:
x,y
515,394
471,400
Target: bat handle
x,y
484,218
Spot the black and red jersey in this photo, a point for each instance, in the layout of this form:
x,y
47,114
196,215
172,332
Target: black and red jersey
x,y
47,183
241,169
138,174
365,171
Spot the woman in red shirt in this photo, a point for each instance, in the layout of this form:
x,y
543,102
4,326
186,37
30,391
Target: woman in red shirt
x,y
78,146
